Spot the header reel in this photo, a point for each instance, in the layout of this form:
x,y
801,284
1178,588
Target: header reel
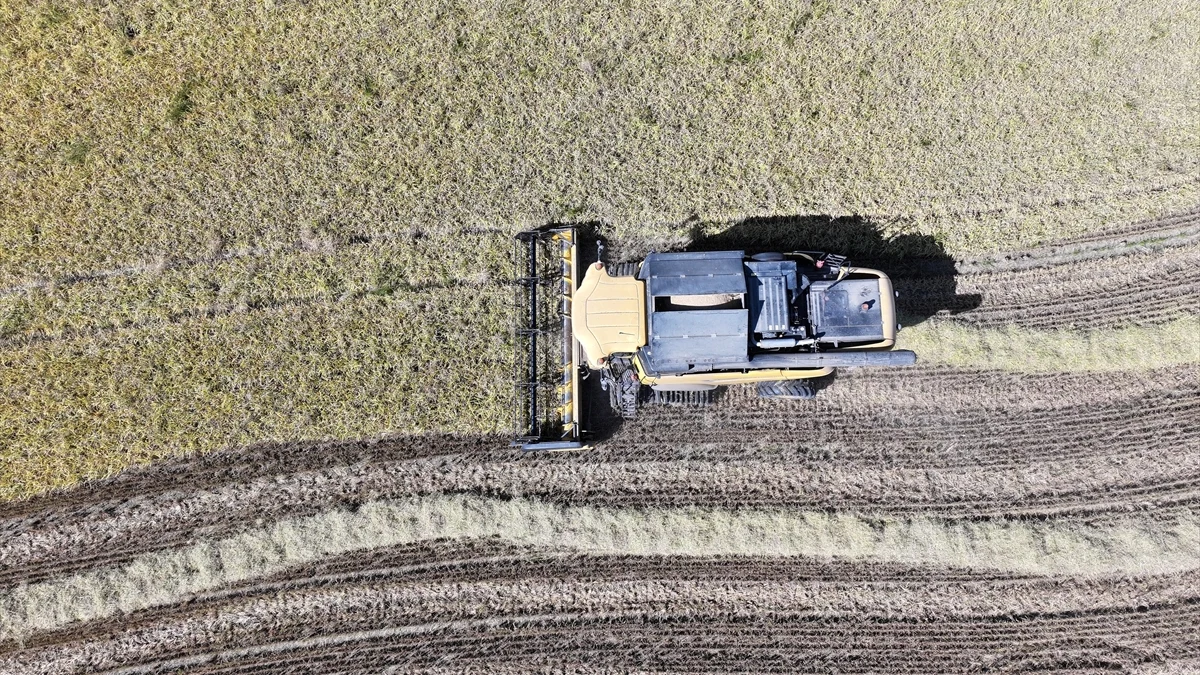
x,y
550,416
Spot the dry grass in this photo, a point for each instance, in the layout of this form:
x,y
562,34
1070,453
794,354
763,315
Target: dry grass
x,y
1128,547
1025,350
182,188
363,340
140,132
249,282
85,408
1170,667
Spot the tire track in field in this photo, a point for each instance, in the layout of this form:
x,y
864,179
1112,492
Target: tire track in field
x,y
930,417
1070,282
1053,491
175,502
1145,272
299,247
1172,227
627,610
922,440
217,311
1137,288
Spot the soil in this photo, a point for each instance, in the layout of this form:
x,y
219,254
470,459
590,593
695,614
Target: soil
x,y
957,444
458,607
1143,273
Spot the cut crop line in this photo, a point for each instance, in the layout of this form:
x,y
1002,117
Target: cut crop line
x,y
241,253
333,640
1024,350
1055,604
1140,241
1130,547
1058,202
1138,238
213,312
1152,225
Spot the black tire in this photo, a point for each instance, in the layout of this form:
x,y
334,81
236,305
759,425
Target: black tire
x,y
630,391
793,390
767,257
626,269
624,388
687,399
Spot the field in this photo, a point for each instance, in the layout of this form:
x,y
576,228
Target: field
x,y
257,292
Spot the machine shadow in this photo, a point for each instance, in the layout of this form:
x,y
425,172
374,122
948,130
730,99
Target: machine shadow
x,y
921,270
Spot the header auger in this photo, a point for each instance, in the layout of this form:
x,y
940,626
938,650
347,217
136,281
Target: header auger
x,y
676,326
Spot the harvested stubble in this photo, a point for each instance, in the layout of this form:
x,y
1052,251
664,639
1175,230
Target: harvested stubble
x,y
924,440
1150,287
483,604
1134,545
489,603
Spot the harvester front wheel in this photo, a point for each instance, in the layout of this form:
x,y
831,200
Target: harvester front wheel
x,y
624,387
625,269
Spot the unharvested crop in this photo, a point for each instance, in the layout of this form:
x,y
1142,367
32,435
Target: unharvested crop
x,y
987,126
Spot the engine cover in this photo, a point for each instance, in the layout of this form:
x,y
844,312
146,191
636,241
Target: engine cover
x,y
845,311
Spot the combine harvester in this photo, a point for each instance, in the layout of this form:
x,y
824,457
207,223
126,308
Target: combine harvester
x,y
678,325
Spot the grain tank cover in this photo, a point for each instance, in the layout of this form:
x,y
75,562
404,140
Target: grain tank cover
x,y
679,340
701,273
701,337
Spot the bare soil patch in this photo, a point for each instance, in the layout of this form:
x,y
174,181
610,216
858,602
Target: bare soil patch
x,y
476,605
961,444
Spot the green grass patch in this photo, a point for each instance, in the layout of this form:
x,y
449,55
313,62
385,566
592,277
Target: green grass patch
x,y
76,152
181,101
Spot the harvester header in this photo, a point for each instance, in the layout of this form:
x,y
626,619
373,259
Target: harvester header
x,y
550,422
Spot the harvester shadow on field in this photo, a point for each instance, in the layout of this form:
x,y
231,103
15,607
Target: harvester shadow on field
x,y
921,271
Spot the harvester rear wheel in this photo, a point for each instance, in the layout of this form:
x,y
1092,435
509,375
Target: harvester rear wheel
x,y
787,390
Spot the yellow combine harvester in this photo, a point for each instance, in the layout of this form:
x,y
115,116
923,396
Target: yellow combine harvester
x,y
676,326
